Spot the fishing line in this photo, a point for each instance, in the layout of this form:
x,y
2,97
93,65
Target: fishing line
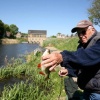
x,y
61,84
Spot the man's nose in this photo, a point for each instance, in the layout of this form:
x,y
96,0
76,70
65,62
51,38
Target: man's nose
x,y
81,35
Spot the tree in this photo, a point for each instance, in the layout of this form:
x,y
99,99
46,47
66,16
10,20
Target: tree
x,y
14,29
58,33
53,36
7,28
2,30
94,12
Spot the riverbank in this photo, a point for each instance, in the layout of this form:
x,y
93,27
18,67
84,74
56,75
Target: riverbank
x,y
25,81
9,41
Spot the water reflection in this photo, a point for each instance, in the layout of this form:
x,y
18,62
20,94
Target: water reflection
x,y
10,82
9,51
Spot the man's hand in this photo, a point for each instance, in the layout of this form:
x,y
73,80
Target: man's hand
x,y
52,60
63,72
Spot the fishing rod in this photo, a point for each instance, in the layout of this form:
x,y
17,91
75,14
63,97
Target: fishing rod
x,y
61,84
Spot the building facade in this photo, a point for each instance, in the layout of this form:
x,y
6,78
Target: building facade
x,y
18,35
37,36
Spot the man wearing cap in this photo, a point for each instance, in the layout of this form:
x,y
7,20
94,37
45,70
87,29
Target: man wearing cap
x,y
86,59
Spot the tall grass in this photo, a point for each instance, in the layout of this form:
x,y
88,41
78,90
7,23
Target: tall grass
x,y
33,87
62,44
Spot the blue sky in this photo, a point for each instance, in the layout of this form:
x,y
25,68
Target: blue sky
x,y
55,16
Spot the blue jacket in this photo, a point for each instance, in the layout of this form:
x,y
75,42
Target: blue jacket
x,y
87,60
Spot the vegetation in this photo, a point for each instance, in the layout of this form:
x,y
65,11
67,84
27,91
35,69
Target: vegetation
x,y
53,36
2,30
29,84
22,40
70,44
13,29
62,44
94,12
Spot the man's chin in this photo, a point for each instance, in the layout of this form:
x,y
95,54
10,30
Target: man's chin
x,y
84,41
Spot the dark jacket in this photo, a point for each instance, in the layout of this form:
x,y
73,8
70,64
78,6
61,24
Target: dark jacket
x,y
87,60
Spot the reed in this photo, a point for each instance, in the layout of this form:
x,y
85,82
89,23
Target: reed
x,y
33,87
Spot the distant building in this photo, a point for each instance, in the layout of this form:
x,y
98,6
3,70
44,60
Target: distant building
x,y
18,35
8,34
59,35
37,36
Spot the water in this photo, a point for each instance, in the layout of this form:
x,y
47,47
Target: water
x,y
15,50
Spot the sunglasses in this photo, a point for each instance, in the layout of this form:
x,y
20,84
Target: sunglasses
x,y
83,32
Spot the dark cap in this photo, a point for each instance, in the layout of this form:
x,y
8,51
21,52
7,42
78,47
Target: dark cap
x,y
82,24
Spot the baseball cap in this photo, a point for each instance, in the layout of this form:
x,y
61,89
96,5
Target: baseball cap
x,y
82,24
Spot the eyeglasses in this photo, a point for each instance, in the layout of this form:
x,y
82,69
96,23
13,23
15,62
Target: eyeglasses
x,y
83,32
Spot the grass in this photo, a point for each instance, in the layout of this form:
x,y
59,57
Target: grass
x,y
62,44
34,87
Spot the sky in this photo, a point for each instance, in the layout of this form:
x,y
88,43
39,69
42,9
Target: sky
x,y
54,16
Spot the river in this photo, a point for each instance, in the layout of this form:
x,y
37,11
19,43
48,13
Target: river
x,y
9,51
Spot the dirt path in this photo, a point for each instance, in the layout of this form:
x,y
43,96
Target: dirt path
x,y
53,49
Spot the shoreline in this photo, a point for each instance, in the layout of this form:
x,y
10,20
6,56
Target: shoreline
x,y
9,41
